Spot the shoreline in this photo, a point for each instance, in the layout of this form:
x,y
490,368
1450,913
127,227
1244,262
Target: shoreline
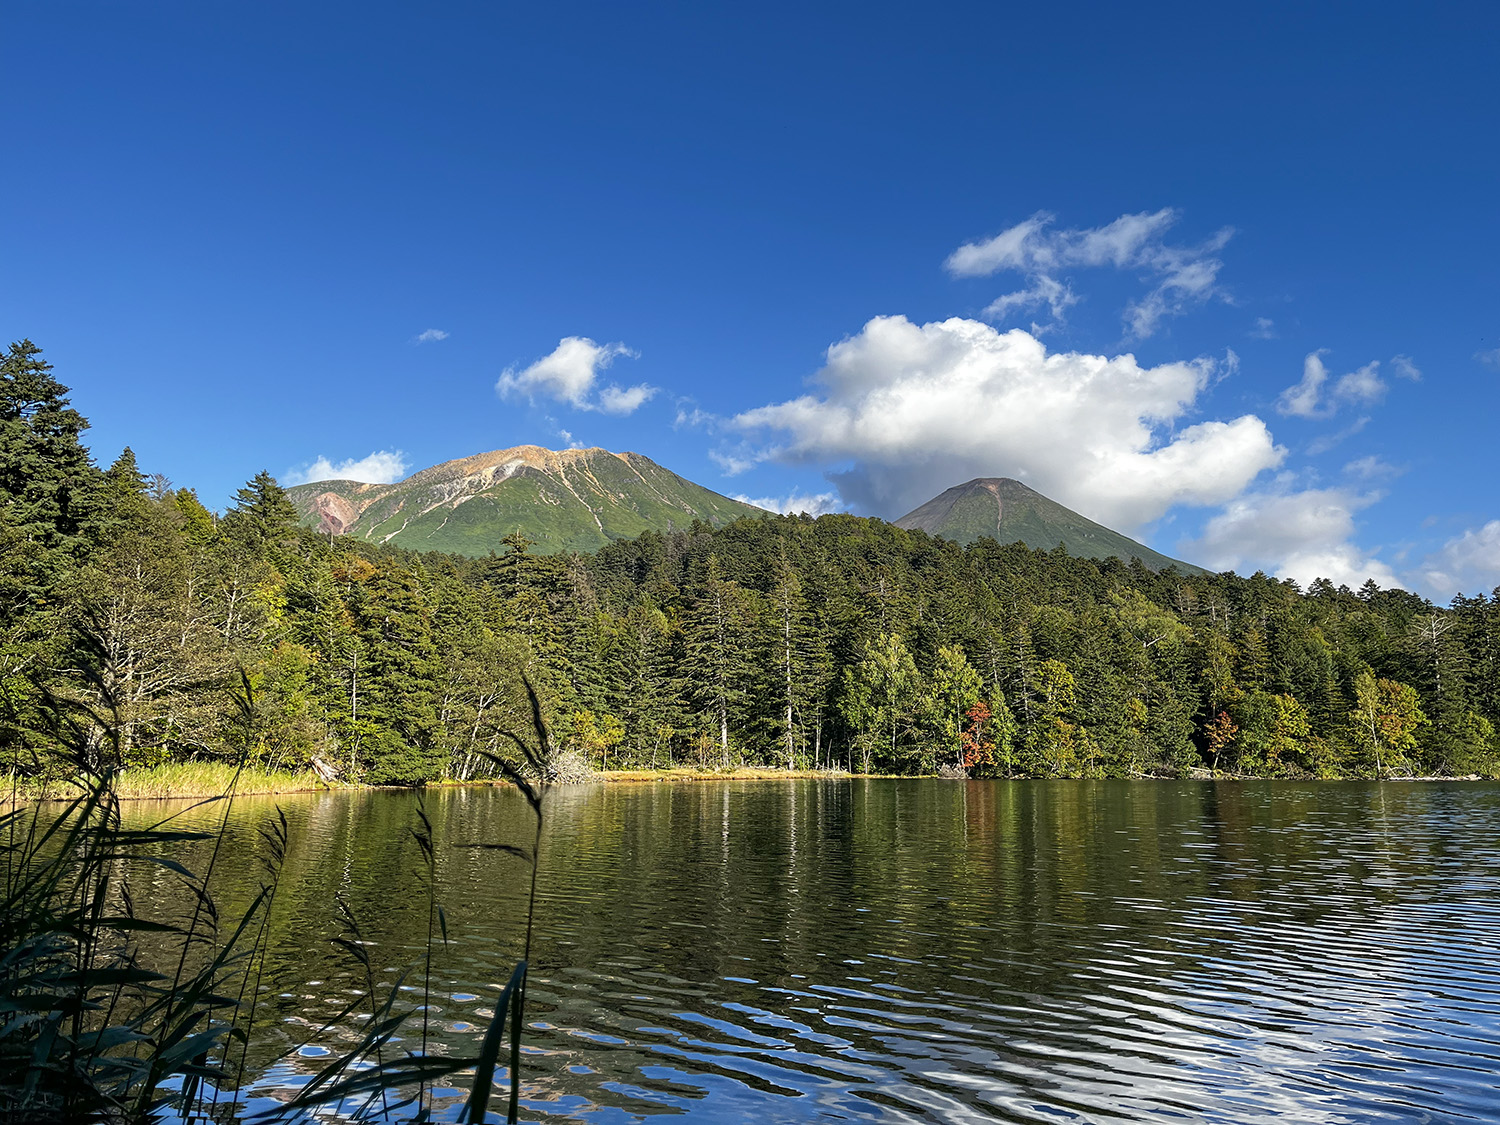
x,y
210,784
739,773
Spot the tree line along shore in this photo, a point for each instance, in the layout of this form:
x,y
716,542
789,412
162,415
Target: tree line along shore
x,y
140,630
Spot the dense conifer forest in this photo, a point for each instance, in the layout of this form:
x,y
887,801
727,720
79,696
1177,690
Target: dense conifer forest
x,y
142,625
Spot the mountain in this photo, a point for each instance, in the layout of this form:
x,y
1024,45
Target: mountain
x,y
1008,511
564,500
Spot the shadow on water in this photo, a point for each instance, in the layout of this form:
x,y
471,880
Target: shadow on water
x,y
899,950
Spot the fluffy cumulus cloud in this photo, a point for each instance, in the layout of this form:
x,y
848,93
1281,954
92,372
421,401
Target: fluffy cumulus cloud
x,y
384,467
1180,276
914,409
570,374
798,503
1468,563
1301,535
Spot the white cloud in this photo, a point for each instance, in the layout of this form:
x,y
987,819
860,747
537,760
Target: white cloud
x,y
1404,367
1327,441
1043,291
733,464
1299,535
1361,387
1468,562
914,409
384,467
812,504
1190,281
1371,468
624,400
1489,358
1265,329
1302,399
431,335
1312,397
570,374
1023,248
1183,275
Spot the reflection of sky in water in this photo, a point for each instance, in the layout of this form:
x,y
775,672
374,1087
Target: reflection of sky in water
x,y
929,951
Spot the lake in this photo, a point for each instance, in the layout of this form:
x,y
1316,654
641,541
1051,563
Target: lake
x,y
923,950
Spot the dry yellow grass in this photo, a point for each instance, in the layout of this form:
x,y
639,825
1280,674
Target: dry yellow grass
x,y
209,779
212,779
182,779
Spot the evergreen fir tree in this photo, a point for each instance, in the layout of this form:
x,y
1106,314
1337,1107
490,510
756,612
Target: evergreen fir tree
x,y
262,513
46,475
718,668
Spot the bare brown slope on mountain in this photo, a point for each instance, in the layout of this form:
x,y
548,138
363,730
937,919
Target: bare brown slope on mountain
x,y
563,500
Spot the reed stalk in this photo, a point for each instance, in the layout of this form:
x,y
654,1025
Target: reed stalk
x,y
91,1029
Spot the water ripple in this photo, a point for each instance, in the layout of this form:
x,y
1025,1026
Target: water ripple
x,y
914,951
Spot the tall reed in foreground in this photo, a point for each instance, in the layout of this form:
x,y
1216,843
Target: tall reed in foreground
x,y
378,1085
93,1027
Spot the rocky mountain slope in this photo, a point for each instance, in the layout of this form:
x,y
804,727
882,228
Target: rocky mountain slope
x,y
563,500
1008,511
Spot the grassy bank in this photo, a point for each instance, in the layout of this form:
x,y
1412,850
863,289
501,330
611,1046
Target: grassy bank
x,y
212,779
180,779
196,780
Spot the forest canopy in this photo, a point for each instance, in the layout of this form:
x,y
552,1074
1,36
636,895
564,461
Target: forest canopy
x,y
156,630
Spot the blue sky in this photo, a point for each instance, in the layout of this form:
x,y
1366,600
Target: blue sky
x,y
1142,257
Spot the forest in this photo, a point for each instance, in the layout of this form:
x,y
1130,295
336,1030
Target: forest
x,y
145,627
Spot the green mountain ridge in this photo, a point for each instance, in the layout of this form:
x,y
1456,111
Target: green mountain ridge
x,y
563,500
1010,512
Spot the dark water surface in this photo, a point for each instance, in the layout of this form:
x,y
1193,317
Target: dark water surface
x,y
898,950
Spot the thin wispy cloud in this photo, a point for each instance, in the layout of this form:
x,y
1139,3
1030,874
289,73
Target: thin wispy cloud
x,y
1318,395
1490,358
1371,468
1404,368
693,418
431,336
1263,329
1182,276
1325,442
382,467
570,374
734,463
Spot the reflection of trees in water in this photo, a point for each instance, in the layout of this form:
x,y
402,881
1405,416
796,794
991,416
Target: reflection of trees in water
x,y
1010,917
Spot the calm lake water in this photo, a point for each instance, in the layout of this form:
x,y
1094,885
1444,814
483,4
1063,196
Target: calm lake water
x,y
901,951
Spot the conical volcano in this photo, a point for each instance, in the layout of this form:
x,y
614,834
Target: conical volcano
x,y
1010,512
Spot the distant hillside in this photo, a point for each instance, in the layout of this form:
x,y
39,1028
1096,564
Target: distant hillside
x,y
564,500
1008,511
